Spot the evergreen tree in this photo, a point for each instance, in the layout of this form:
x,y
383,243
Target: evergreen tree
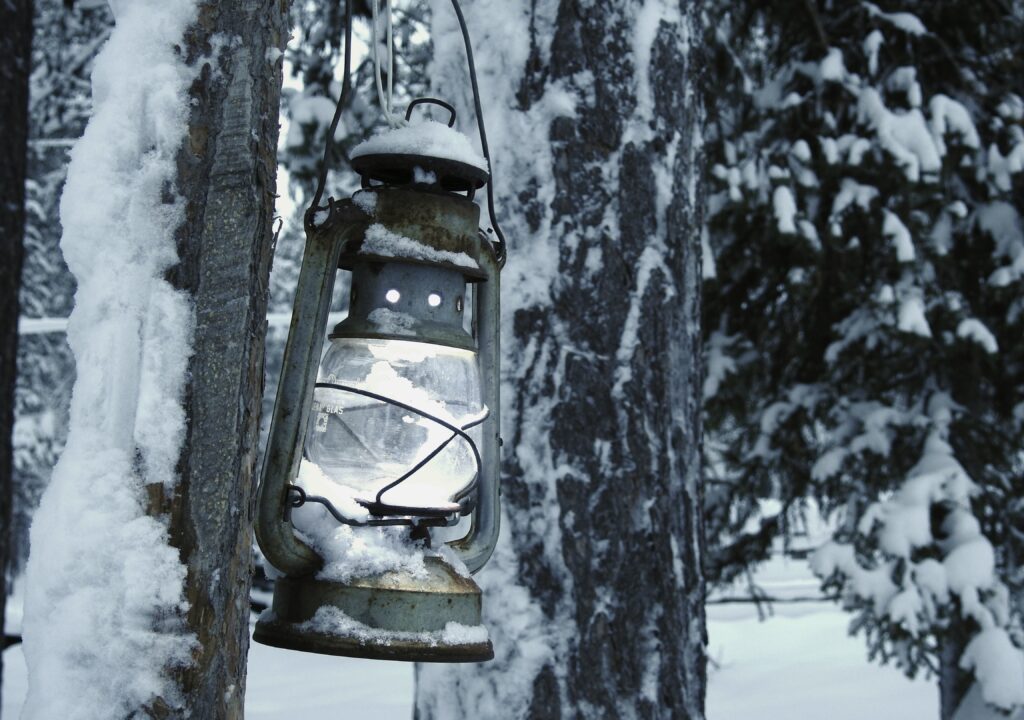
x,y
863,321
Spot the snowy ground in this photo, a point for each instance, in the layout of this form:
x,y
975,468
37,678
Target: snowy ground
x,y
798,665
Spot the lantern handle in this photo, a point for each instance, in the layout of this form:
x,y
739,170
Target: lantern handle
x,y
432,101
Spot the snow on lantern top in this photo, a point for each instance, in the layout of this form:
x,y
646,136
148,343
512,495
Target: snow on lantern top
x,y
424,152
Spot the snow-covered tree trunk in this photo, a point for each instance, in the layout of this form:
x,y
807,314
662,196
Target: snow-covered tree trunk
x,y
15,46
595,596
227,175
137,584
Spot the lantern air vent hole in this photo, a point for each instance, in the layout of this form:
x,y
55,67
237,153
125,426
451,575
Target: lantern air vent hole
x,y
458,304
434,299
393,296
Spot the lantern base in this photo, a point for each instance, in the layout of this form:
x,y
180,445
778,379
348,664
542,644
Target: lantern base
x,y
392,616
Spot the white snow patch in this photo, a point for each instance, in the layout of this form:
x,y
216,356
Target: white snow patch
x,y
912,318
949,117
382,242
785,210
904,135
998,666
904,79
872,44
1002,222
423,137
393,322
651,259
718,363
907,22
366,201
353,552
894,229
332,621
974,330
850,193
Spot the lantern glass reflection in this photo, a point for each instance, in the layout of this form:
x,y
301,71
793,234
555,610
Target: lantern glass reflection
x,y
364,444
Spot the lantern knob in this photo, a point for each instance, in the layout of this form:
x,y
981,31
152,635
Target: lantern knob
x,y
424,153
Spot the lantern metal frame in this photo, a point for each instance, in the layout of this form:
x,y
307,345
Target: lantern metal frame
x,y
328,247
445,221
437,215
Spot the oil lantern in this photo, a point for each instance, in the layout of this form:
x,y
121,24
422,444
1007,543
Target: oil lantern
x,y
399,417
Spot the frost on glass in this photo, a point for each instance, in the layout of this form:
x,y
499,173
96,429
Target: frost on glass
x,y
363,444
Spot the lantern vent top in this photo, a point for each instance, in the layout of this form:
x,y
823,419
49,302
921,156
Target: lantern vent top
x,y
425,153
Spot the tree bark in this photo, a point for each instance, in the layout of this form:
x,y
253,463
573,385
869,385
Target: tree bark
x,y
954,683
595,597
15,48
227,174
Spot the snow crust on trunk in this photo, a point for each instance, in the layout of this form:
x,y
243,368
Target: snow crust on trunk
x,y
519,145
534,622
104,589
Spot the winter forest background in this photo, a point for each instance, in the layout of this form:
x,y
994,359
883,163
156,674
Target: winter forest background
x,y
859,181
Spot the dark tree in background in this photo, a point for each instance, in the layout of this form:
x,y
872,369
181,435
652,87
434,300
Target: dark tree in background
x,y
15,48
864,316
595,597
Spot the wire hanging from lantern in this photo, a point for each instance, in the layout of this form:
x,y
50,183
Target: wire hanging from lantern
x,y
381,512
385,101
500,245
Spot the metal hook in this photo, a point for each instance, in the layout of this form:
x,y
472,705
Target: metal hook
x,y
431,101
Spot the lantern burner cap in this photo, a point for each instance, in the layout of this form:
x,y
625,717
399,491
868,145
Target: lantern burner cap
x,y
425,153
407,169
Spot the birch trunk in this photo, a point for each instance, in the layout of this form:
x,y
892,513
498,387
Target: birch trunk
x,y
227,174
15,47
595,596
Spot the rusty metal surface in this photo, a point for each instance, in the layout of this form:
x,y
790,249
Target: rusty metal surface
x,y
476,548
399,169
439,221
440,324
395,602
285,635
295,391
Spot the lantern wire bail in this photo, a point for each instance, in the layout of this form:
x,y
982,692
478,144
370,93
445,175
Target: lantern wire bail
x,y
500,246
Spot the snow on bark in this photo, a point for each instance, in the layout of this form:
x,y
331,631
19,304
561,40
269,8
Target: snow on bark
x,y
594,595
104,589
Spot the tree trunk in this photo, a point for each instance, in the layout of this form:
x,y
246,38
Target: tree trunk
x,y
15,48
954,683
227,173
595,596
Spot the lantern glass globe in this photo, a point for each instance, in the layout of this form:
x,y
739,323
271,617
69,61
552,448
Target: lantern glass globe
x,y
364,444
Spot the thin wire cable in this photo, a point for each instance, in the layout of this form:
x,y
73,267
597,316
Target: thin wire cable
x,y
346,87
456,431
391,58
501,248
384,99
